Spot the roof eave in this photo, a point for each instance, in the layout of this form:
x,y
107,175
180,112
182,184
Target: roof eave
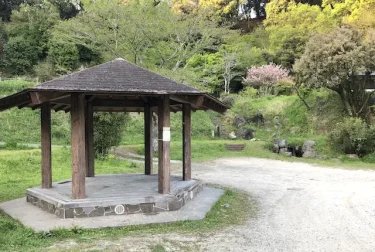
x,y
14,100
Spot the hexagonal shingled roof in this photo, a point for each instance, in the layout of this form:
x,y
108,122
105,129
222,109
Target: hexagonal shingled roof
x,y
114,78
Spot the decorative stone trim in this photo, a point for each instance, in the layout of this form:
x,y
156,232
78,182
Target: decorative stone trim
x,y
171,203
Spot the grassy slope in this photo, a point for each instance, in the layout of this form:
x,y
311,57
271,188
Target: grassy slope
x,y
23,125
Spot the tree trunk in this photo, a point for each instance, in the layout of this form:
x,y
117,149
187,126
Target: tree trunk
x,y
344,100
302,99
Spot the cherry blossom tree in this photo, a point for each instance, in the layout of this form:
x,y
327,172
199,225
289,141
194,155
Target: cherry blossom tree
x,y
266,77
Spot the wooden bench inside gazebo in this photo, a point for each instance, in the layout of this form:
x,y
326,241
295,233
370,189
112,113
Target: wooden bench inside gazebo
x,y
115,86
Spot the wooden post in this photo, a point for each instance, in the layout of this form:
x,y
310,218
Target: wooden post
x,y
46,145
89,131
186,138
78,145
149,152
164,145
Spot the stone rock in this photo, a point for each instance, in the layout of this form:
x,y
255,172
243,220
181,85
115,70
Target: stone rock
x,y
308,149
308,144
275,148
283,150
287,154
258,119
238,121
245,134
249,134
353,156
277,125
226,205
283,143
309,154
240,133
232,135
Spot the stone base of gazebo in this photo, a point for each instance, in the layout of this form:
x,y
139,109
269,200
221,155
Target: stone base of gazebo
x,y
114,195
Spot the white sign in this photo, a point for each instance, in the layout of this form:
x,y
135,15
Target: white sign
x,y
166,134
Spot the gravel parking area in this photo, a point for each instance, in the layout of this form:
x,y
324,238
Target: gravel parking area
x,y
301,207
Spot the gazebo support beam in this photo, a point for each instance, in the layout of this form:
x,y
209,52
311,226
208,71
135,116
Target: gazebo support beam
x,y
148,140
46,145
78,146
186,137
164,145
89,131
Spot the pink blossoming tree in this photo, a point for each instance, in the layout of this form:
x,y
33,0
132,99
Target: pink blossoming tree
x,y
266,77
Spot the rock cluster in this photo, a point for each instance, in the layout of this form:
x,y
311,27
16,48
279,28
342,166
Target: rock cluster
x,y
306,151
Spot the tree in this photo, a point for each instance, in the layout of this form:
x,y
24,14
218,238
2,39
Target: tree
x,y
6,8
347,9
289,25
64,56
108,128
218,8
229,64
67,8
119,30
254,7
217,70
19,55
266,77
342,61
28,36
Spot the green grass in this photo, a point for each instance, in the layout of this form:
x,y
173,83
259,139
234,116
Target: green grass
x,y
208,150
9,87
20,169
23,125
201,127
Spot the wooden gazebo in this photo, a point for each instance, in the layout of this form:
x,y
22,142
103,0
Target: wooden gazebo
x,y
113,86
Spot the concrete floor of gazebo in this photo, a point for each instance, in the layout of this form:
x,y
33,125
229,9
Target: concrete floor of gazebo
x,y
117,194
39,220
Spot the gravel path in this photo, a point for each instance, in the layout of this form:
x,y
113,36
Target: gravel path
x,y
301,208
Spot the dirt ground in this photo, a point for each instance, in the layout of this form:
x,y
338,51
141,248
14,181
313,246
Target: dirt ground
x,y
300,208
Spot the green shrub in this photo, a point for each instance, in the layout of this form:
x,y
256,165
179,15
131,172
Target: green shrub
x,y
353,135
229,100
370,158
270,106
65,56
284,87
19,55
326,110
45,71
108,128
249,92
